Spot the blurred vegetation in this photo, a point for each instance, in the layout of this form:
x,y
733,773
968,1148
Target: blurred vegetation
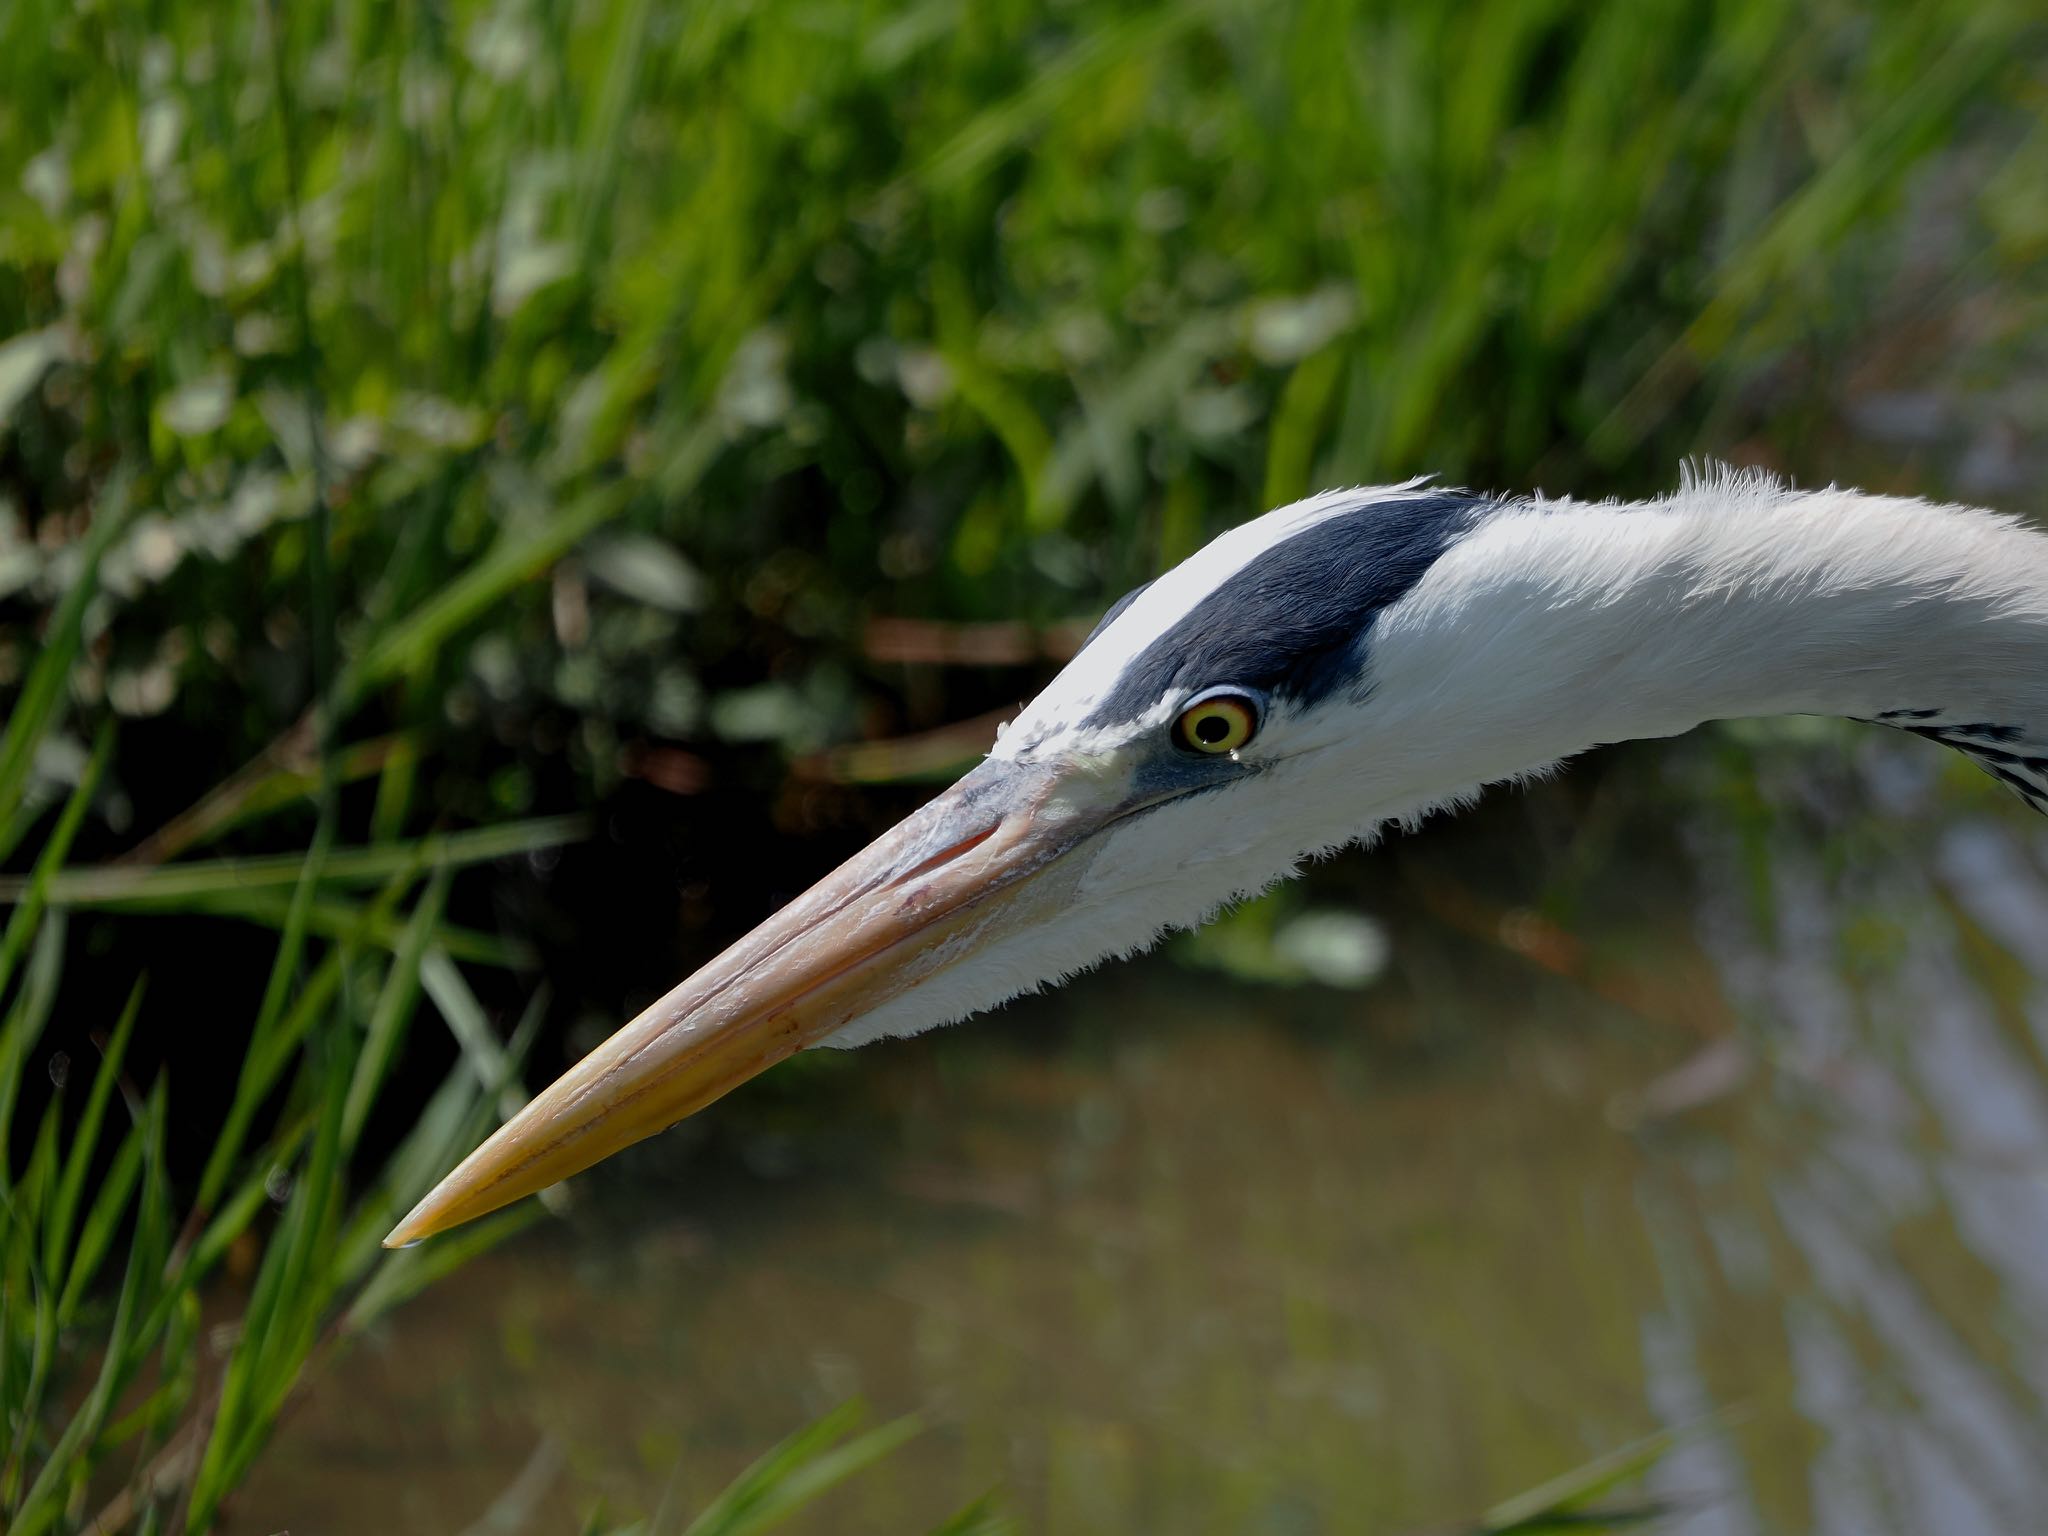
x,y
803,1468
807,1465
753,322
418,417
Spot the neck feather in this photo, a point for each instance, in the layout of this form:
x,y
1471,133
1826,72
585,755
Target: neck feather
x,y
1566,625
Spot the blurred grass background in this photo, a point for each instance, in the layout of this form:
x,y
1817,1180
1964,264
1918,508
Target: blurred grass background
x,y
422,424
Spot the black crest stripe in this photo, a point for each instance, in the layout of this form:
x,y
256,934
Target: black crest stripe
x,y
1291,622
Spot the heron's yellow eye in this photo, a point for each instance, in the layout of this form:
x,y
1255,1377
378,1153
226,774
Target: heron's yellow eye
x,y
1223,722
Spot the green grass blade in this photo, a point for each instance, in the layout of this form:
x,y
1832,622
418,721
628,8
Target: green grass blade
x,y
801,1469
35,709
18,1216
455,1119
984,1517
44,1504
404,1274
111,886
352,922
413,643
102,1223
393,1010
263,787
31,1198
493,1064
263,1061
1563,1499
240,1208
24,1023
33,892
85,1140
1100,50
279,1326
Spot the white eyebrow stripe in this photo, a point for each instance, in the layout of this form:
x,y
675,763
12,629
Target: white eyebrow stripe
x,y
1093,673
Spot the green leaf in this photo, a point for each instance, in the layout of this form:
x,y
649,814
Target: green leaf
x,y
125,1343
291,1293
394,1008
24,1024
801,1469
263,1060
405,1273
85,1139
984,1517
21,923
233,1215
167,885
334,918
413,642
455,1119
24,359
495,1066
102,1223
36,707
1561,1502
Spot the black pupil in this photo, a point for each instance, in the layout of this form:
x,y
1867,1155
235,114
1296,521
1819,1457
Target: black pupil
x,y
1211,729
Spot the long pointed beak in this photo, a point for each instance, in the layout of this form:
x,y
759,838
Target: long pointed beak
x,y
912,903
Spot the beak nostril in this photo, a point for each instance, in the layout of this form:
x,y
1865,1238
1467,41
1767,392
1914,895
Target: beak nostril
x,y
947,855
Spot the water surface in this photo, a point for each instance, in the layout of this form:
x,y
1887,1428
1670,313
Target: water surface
x,y
1733,1121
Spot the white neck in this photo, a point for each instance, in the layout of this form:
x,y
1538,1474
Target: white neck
x,y
1556,626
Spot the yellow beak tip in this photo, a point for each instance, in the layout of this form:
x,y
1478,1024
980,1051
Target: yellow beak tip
x,y
420,1223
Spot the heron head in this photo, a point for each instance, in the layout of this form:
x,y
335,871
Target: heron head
x,y
1170,768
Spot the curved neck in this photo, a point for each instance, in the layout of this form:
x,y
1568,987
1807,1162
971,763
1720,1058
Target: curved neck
x,y
1570,625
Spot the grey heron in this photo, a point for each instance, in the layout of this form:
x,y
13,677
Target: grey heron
x,y
1337,667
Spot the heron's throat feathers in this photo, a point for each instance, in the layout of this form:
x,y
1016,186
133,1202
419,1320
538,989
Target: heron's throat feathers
x,y
1565,625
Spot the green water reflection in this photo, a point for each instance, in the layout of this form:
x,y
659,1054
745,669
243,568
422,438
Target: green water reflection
x,y
1737,1120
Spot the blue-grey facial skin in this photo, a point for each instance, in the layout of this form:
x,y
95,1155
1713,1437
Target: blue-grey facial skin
x,y
996,790
1295,622
1169,773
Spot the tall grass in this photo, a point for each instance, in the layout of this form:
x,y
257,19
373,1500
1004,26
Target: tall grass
x,y
990,307
411,401
121,1405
